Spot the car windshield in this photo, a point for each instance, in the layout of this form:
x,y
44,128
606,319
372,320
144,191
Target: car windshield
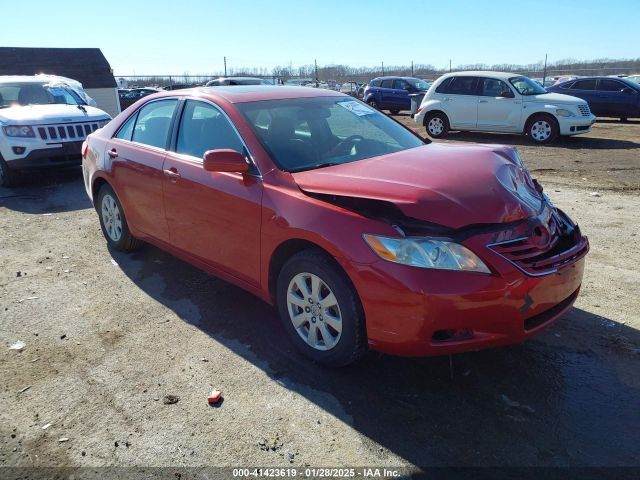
x,y
14,94
526,86
308,133
419,84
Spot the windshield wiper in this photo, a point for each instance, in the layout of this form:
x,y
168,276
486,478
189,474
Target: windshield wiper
x,y
81,107
317,165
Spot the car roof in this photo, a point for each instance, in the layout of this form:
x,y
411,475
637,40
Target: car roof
x,y
254,93
483,73
237,78
24,79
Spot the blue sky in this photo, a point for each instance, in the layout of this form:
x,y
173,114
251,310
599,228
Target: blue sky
x,y
192,36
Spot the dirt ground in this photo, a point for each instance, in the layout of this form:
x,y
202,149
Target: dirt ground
x,y
109,336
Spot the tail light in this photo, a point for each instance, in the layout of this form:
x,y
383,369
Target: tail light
x,y
85,149
419,110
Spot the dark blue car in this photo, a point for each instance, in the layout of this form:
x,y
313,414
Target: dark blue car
x,y
606,96
392,93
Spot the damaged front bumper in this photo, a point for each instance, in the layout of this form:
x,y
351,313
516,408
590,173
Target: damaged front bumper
x,y
420,312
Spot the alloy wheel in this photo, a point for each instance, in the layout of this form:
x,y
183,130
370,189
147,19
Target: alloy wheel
x,y
314,311
111,218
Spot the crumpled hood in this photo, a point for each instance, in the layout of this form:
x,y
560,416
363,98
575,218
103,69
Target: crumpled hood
x,y
554,99
450,185
48,114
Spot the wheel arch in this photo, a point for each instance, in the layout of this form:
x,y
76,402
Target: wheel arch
x,y
288,248
527,122
97,184
431,112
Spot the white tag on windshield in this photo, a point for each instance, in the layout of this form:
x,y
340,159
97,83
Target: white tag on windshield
x,y
357,108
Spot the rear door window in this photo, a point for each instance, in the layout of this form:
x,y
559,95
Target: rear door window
x,y
584,85
154,121
462,86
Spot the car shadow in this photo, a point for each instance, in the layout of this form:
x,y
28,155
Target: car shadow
x,y
567,398
576,142
52,191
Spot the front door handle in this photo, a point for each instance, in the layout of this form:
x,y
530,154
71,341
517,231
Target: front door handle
x,y
172,173
113,153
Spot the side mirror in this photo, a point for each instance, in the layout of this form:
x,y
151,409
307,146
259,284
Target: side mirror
x,y
507,94
224,160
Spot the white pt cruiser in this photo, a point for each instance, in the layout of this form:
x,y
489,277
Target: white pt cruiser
x,y
501,102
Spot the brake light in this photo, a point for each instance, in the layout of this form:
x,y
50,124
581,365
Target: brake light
x,y
419,109
85,149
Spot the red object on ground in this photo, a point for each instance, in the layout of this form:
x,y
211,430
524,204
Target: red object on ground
x,y
215,396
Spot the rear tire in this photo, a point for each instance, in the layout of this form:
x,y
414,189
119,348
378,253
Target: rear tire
x,y
437,124
542,129
373,104
113,221
8,177
394,112
320,309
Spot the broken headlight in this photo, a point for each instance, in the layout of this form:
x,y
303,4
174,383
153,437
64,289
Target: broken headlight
x,y
426,253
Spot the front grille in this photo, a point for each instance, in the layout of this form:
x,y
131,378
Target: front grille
x,y
68,132
584,110
561,250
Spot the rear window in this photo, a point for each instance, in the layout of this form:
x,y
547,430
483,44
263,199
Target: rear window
x,y
375,83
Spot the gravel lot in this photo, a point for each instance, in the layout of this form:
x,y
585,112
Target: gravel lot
x,y
108,336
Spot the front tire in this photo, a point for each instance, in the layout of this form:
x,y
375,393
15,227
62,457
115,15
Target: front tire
x,y
437,124
113,221
8,177
542,129
320,309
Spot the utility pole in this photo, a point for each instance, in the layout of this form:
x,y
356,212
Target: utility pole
x,y
383,69
544,74
449,65
316,64
412,68
225,66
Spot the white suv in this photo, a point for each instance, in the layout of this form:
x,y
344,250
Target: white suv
x,y
501,102
43,123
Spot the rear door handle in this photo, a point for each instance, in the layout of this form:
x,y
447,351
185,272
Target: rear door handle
x,y
483,101
172,173
113,153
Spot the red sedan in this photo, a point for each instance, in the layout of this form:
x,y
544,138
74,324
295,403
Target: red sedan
x,y
363,235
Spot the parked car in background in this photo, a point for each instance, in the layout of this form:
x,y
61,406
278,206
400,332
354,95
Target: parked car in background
x,y
392,93
363,235
217,82
607,96
501,102
128,98
42,124
350,88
